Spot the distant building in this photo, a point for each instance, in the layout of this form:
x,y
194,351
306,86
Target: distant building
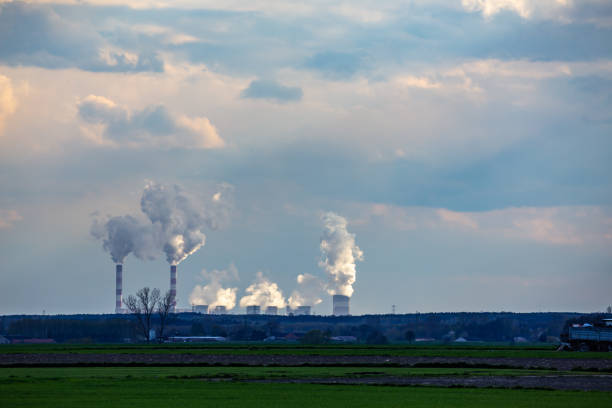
x,y
272,310
344,339
201,309
195,339
253,310
219,310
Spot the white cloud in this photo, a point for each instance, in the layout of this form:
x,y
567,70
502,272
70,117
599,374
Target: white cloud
x,y
524,8
568,225
8,218
8,103
153,126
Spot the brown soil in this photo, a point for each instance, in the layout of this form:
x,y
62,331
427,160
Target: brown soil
x,y
564,364
574,382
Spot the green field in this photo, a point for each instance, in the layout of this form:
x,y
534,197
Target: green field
x,y
251,373
481,350
151,393
234,386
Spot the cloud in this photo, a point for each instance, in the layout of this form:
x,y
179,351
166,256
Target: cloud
x,y
35,34
8,218
264,293
154,126
8,103
335,65
214,293
563,225
272,90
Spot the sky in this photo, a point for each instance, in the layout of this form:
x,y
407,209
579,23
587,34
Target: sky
x,y
464,147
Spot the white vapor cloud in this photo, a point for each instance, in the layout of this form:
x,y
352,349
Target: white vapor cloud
x,y
264,293
214,293
339,253
153,126
308,292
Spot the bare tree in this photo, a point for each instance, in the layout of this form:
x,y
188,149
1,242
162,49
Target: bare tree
x,y
163,309
142,306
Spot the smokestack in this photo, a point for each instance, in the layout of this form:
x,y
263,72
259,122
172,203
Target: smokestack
x,y
119,288
341,305
173,287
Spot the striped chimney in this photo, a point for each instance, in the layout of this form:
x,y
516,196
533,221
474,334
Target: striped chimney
x,y
119,288
173,287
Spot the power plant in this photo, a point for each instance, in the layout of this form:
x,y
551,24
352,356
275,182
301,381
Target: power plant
x,y
119,288
272,310
220,310
201,309
341,305
173,287
253,310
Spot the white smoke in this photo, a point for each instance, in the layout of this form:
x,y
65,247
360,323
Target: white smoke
x,y
263,293
308,292
177,220
181,217
214,294
338,255
123,235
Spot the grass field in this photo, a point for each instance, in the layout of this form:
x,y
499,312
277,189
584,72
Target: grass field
x,y
481,350
249,373
152,393
187,386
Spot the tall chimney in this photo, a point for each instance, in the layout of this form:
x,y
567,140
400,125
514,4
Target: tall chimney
x,y
173,287
119,288
341,305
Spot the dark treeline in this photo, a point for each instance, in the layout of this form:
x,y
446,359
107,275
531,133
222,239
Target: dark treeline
x,y
373,329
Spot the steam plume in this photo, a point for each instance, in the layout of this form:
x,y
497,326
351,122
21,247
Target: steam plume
x,y
123,235
176,223
214,294
263,293
308,291
338,255
181,218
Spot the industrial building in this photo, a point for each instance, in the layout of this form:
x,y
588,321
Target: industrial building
x,y
201,309
272,310
341,305
220,310
253,310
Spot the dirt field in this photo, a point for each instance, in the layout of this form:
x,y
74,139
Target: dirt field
x,y
565,364
574,382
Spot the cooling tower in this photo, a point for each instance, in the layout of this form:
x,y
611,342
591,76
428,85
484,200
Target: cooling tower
x,y
119,288
253,310
201,309
302,311
173,287
341,305
220,310
272,310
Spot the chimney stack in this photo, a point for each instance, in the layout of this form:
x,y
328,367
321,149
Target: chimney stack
x,y
119,288
173,287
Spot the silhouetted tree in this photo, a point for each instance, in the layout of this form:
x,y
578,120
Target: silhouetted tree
x,y
164,305
142,306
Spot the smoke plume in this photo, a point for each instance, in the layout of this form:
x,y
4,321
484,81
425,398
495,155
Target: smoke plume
x,y
263,293
123,235
338,255
308,291
175,226
181,218
214,294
